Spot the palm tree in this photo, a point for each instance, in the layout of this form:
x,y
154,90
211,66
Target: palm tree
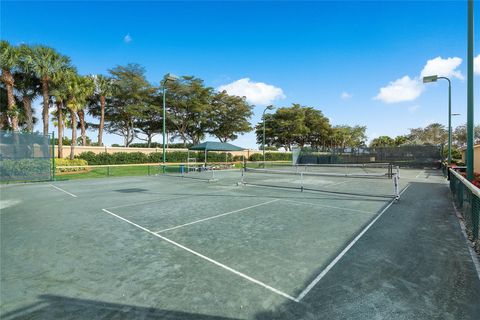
x,y
79,89
9,61
103,89
60,94
45,63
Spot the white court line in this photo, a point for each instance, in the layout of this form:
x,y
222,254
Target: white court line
x,y
60,189
325,206
165,199
344,251
336,183
217,216
221,265
416,177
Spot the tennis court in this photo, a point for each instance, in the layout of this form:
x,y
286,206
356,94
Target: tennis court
x,y
233,245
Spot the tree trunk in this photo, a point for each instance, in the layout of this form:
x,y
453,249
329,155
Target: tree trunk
x,y
60,128
74,134
102,121
7,79
46,104
149,140
81,116
27,105
3,120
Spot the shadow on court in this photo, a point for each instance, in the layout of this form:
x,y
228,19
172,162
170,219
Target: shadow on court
x,y
61,307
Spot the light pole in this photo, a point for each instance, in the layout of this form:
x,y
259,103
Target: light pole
x,y
270,107
168,77
434,78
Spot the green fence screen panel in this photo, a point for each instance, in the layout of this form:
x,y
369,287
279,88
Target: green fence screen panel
x,y
467,200
415,156
25,156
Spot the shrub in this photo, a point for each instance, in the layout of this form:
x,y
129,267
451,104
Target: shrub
x,y
271,156
68,162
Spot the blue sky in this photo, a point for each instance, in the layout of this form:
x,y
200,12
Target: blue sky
x,y
334,56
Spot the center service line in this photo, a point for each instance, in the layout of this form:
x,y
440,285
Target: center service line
x,y
258,282
217,216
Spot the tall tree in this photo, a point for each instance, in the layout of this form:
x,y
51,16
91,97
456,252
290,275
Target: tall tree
x,y
284,128
79,90
9,62
459,135
188,102
318,126
60,90
130,101
382,141
45,62
228,116
103,91
434,133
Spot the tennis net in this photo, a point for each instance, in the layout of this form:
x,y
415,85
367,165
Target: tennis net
x,y
360,169
383,183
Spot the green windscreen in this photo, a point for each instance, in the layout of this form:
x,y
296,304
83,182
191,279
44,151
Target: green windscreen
x,y
24,156
410,156
467,200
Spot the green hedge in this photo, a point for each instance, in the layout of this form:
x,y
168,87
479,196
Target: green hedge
x,y
104,158
271,156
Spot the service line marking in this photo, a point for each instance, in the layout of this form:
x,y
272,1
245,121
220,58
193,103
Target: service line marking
x,y
326,206
337,183
418,175
60,189
344,251
221,265
217,216
166,199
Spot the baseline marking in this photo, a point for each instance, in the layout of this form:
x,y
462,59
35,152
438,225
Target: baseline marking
x,y
325,206
258,282
344,251
60,189
217,216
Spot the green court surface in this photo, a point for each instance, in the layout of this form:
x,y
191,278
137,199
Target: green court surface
x,y
167,247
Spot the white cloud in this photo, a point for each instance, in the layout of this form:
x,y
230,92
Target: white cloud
x,y
257,93
127,38
443,67
345,95
414,108
476,65
403,89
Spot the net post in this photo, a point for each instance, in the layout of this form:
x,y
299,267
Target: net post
x,y
301,181
395,186
242,176
53,156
